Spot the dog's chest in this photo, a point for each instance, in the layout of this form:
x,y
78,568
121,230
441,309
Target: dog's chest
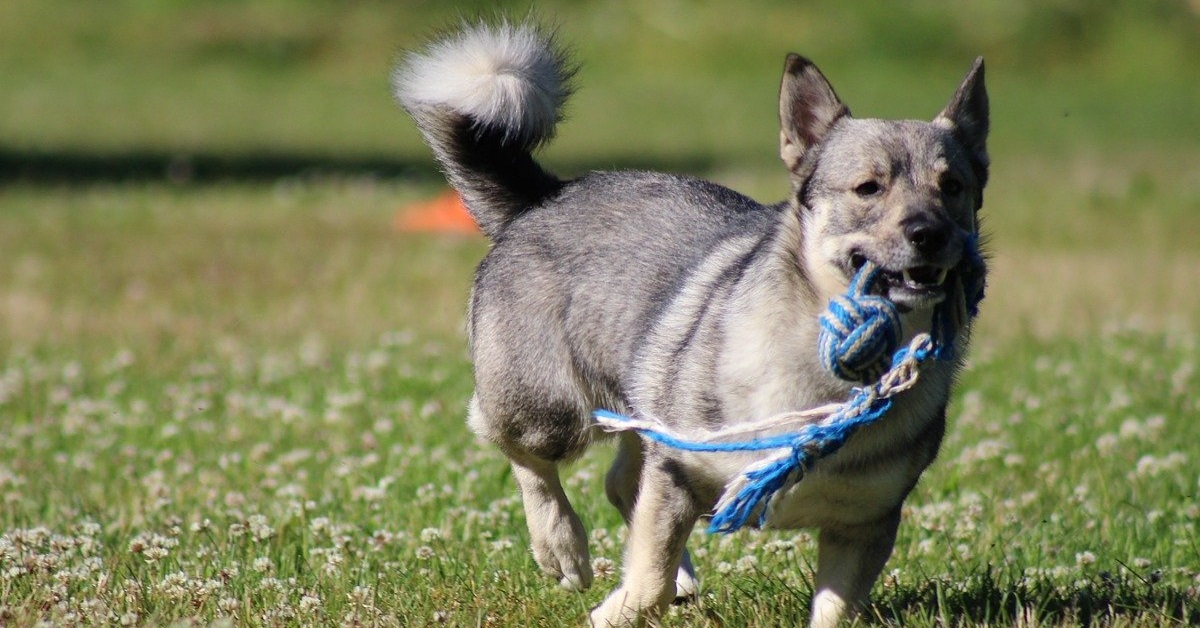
x,y
848,496
869,476
876,468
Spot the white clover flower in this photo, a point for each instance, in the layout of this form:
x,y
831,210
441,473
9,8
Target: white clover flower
x,y
278,614
425,552
154,554
8,551
319,525
174,585
1141,563
429,409
260,529
1085,558
361,595
1014,460
261,564
426,493
381,538
778,546
747,564
309,602
235,499
603,567
333,560
892,578
368,493
429,535
1107,443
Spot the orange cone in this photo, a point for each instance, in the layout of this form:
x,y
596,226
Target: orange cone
x,y
445,213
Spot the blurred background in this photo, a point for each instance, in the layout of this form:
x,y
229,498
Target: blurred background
x,y
94,82
240,138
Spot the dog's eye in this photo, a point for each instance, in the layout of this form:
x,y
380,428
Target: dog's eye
x,y
868,189
951,187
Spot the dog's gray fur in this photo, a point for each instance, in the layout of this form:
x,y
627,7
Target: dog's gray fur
x,y
666,296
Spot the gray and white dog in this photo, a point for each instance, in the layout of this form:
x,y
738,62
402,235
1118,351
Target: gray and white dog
x,y
665,296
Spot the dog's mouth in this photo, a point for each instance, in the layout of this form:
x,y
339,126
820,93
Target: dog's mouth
x,y
909,288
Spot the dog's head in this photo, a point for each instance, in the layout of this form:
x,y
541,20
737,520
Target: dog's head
x,y
901,193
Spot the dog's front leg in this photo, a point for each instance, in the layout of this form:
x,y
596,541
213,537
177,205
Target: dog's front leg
x,y
848,562
662,519
621,484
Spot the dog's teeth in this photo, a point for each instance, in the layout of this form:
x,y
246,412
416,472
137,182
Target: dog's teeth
x,y
938,279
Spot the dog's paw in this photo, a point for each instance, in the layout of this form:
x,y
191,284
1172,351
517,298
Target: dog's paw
x,y
829,610
619,610
687,586
562,554
572,572
576,580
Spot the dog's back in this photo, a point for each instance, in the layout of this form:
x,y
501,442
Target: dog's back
x,y
590,270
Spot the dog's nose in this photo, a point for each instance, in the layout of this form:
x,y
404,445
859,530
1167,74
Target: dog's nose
x,y
927,236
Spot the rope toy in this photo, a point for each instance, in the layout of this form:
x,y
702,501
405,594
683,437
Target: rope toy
x,y
858,331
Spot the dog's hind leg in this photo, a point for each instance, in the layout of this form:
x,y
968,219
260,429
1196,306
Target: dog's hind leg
x,y
557,535
621,485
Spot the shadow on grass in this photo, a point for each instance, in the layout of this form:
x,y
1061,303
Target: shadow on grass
x,y
185,168
991,597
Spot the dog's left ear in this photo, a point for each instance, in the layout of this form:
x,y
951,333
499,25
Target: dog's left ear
x,y
808,108
967,118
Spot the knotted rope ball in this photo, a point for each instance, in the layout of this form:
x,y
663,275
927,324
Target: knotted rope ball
x,y
859,331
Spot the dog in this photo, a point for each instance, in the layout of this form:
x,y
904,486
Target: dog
x,y
660,295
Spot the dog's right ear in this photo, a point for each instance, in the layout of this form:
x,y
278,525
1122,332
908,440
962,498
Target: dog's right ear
x,y
808,108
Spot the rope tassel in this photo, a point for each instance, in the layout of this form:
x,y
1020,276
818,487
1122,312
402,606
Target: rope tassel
x,y
858,331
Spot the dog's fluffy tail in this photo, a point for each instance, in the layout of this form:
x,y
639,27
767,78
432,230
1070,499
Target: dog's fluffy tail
x,y
484,98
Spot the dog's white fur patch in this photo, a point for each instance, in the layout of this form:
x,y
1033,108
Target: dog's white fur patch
x,y
505,77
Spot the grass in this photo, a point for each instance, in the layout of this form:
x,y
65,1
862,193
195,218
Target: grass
x,y
241,400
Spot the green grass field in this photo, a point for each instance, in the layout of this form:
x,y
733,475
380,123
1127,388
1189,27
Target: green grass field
x,y
232,394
